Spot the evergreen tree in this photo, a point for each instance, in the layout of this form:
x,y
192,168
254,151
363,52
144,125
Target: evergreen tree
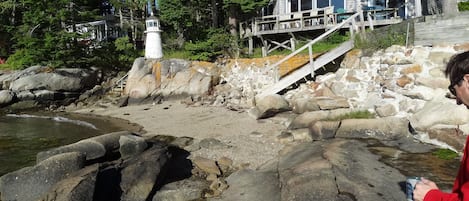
x,y
237,9
132,15
46,33
178,16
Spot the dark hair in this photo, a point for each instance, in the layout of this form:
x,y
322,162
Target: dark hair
x,y
457,67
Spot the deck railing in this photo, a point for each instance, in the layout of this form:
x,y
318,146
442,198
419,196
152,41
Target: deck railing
x,y
321,18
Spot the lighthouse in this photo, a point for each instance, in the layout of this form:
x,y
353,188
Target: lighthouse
x,y
153,46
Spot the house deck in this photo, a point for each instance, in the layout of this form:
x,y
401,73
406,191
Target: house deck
x,y
317,19
270,28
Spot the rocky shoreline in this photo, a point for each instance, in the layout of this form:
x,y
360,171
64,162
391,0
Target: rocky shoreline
x,y
220,143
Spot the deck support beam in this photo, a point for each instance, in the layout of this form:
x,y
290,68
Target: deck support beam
x,y
250,46
269,45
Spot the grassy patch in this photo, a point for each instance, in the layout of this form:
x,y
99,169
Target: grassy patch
x,y
176,54
5,67
382,38
445,154
355,115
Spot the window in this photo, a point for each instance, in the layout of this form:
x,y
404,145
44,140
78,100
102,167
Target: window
x,y
323,3
294,5
306,5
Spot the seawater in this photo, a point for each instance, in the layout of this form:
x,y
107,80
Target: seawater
x,y
22,136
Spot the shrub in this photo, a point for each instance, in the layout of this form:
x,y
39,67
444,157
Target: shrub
x,y
5,66
218,43
21,59
126,51
463,6
382,38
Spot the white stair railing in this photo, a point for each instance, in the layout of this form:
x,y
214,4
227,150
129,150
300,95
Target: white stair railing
x,y
351,19
121,83
310,67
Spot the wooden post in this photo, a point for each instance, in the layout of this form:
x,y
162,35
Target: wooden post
x,y
264,46
293,44
251,45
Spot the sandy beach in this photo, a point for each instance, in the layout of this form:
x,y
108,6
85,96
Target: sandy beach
x,y
247,141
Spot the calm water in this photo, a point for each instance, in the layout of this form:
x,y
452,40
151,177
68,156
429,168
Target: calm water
x,y
23,136
443,172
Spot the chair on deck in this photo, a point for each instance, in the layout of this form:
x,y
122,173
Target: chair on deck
x,y
313,18
329,15
340,15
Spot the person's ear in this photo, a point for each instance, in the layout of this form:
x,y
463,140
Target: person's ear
x,y
466,78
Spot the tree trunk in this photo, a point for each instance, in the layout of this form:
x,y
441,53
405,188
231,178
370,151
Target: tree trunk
x,y
132,27
180,39
121,19
233,23
233,19
215,23
13,14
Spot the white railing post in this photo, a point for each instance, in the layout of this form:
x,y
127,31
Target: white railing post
x,y
276,73
362,21
354,24
370,20
120,83
311,59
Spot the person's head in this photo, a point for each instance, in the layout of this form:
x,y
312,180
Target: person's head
x,y
457,70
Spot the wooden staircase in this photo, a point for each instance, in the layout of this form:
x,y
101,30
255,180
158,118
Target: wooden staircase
x,y
308,69
315,63
119,85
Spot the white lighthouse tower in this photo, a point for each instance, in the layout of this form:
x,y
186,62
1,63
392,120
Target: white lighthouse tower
x,y
153,46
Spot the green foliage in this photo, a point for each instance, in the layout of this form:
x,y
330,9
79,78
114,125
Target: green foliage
x,y
41,35
21,58
463,6
5,66
445,154
177,15
355,115
382,38
331,42
126,51
247,5
218,43
115,56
